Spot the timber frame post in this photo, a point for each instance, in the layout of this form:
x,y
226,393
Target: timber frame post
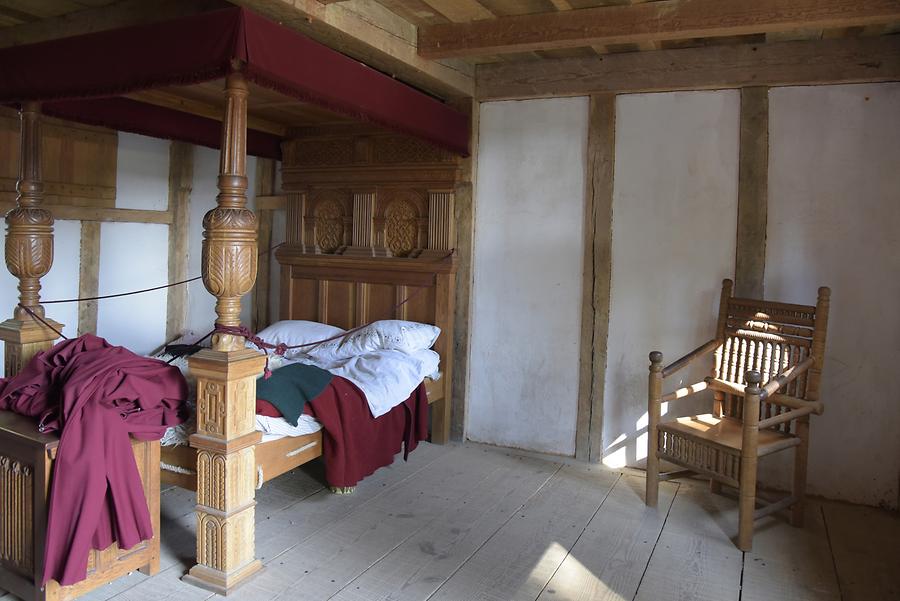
x,y
29,250
226,373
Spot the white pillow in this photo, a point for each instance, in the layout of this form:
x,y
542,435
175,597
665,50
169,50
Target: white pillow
x,y
385,335
297,332
388,377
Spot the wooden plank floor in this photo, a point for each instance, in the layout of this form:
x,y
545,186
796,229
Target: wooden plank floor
x,y
475,522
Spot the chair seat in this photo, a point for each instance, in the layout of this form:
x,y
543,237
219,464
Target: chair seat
x,y
726,432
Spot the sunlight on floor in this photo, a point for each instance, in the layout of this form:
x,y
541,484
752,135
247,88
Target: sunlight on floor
x,y
573,579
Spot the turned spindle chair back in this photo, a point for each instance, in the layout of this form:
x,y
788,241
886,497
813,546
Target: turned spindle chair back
x,y
767,337
767,366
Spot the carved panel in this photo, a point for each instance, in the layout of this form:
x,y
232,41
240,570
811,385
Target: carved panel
x,y
16,545
393,150
79,162
12,363
400,228
225,482
211,408
225,543
320,153
330,213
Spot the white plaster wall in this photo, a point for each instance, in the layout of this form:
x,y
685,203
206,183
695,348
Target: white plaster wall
x,y
201,304
526,311
142,180
834,219
60,283
133,256
673,241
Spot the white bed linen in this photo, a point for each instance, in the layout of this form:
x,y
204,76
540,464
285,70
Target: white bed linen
x,y
387,378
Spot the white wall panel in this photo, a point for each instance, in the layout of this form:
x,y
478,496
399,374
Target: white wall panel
x,y
834,219
133,256
526,310
673,232
142,180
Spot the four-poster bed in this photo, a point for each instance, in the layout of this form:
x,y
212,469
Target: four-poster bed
x,y
370,218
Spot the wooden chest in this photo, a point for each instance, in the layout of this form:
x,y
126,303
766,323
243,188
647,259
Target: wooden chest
x,y
26,462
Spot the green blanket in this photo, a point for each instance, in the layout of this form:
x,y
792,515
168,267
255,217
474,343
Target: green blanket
x,y
291,387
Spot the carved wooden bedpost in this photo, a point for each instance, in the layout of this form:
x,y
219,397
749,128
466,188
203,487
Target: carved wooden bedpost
x,y
226,374
29,250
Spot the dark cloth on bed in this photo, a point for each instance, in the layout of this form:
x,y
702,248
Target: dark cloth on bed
x,y
264,407
96,395
291,387
355,444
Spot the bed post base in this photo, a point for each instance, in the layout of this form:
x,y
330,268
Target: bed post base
x,y
226,468
219,582
23,340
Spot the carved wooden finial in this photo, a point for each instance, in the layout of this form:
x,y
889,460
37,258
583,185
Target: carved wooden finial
x,y
753,378
656,358
29,234
229,260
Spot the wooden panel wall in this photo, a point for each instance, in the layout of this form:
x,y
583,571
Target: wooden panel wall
x,y
79,162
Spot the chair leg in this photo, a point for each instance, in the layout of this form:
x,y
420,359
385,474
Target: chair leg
x,y
801,452
651,497
746,507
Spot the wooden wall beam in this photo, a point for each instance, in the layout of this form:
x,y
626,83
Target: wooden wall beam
x,y
265,188
181,181
643,22
750,256
370,33
68,212
464,210
848,60
597,274
89,277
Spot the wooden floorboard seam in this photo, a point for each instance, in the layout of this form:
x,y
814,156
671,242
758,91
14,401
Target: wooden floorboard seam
x,y
837,574
512,514
658,536
577,538
462,564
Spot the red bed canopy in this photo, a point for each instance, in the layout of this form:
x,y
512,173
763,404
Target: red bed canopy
x,y
82,78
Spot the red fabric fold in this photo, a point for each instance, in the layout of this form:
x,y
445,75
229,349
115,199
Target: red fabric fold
x,y
96,395
201,48
355,444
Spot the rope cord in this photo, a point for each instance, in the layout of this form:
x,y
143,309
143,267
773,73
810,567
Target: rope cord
x,y
278,349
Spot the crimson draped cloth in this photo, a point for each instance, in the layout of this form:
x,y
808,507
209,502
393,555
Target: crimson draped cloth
x,y
355,444
95,395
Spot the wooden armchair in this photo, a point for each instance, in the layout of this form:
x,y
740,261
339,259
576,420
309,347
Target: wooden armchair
x,y
778,344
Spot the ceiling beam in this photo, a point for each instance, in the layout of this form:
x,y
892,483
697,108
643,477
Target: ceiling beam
x,y
847,60
643,22
122,14
370,33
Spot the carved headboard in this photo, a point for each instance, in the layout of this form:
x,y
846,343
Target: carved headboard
x,y
370,236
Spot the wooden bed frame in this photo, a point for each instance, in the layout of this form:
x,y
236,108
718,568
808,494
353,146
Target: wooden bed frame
x,y
348,292
370,224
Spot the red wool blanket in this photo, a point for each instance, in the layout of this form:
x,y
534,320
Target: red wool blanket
x,y
96,395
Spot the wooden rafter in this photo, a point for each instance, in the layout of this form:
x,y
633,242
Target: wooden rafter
x,y
370,33
848,60
643,22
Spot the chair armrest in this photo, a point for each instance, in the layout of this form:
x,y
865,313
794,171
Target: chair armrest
x,y
785,417
795,403
697,352
785,377
683,392
723,386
